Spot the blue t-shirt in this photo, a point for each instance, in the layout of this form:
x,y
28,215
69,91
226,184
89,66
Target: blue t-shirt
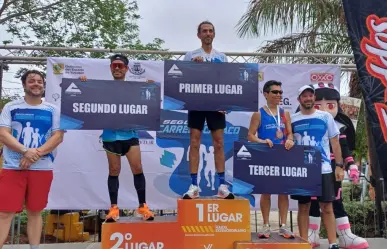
x,y
214,56
268,126
32,126
315,130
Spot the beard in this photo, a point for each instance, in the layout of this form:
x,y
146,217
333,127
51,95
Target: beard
x,y
307,105
34,93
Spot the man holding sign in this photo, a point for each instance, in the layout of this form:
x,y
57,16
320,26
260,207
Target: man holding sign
x,y
272,125
118,143
216,120
314,125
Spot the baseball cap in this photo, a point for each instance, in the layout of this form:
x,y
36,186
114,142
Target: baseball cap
x,y
119,57
304,88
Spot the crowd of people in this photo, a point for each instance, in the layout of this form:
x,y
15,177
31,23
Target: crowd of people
x,y
27,167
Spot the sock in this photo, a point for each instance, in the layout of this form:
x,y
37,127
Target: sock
x,y
194,178
113,185
221,177
34,247
139,184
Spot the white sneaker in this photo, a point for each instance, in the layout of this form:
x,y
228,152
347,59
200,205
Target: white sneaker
x,y
192,193
224,193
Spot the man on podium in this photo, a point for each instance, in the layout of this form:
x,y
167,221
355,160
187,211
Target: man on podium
x,y
216,120
306,123
272,125
118,143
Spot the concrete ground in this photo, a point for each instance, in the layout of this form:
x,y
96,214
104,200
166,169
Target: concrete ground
x,y
374,244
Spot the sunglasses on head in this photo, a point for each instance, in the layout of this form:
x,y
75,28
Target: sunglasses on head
x,y
276,92
119,65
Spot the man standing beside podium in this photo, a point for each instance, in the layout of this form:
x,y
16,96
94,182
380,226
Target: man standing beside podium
x,y
310,122
216,120
272,125
118,143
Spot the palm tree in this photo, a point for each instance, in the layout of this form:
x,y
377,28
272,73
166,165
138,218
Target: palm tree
x,y
323,30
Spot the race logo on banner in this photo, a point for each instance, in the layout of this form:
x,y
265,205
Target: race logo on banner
x,y
210,86
276,170
108,104
367,29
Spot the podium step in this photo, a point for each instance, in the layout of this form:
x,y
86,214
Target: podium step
x,y
214,223
274,242
133,232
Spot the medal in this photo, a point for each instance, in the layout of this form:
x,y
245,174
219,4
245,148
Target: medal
x,y
279,134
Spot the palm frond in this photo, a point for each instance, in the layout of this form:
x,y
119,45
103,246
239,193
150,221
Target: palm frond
x,y
280,15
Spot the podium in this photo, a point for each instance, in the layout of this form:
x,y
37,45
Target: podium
x,y
204,223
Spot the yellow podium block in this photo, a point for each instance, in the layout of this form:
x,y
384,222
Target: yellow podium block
x,y
274,242
210,223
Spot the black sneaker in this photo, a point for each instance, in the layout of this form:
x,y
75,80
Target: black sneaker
x,y
335,246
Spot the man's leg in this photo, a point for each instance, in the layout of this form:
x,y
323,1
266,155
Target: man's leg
x,y
196,124
265,204
329,221
38,188
303,219
113,153
134,159
14,180
283,206
216,122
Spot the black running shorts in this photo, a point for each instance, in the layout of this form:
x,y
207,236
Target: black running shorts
x,y
120,147
215,120
327,192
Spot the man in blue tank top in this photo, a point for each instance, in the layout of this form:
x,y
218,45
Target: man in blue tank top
x,y
272,125
118,143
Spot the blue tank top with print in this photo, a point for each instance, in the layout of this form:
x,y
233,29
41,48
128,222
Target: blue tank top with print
x,y
268,126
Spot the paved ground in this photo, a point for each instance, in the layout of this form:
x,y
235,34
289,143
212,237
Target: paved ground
x,y
374,244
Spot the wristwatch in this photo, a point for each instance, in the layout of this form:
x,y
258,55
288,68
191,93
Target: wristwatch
x,y
341,165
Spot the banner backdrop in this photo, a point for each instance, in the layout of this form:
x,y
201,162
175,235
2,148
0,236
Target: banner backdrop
x,y
367,29
81,167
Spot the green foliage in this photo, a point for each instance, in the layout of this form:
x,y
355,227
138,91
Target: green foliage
x,y
107,24
361,215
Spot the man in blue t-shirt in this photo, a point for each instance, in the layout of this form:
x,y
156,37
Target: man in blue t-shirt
x,y
118,143
272,125
216,120
30,132
310,123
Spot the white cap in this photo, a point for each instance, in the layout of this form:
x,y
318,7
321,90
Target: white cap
x,y
303,88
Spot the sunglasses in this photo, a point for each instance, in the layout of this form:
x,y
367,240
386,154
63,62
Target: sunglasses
x,y
277,92
119,65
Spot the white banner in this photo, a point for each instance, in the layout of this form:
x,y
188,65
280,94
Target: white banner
x,y
81,167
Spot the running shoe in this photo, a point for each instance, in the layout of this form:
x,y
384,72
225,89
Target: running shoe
x,y
192,193
285,232
144,211
113,215
224,193
264,232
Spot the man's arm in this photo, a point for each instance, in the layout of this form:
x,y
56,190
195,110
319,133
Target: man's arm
x,y
52,143
11,142
288,125
255,122
336,149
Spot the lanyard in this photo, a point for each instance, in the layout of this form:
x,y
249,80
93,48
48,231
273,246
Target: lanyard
x,y
278,115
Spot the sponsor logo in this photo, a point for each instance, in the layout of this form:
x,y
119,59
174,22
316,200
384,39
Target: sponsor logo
x,y
260,76
322,77
136,68
58,68
73,89
175,71
243,153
